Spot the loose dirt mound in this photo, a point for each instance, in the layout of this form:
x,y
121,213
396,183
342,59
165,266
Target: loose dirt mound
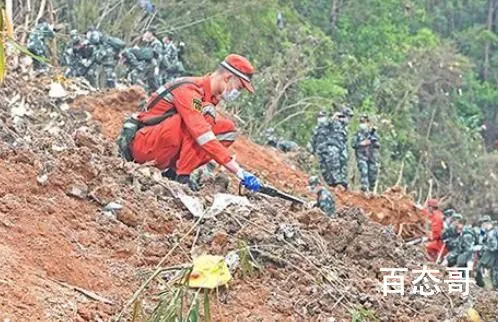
x,y
60,176
391,208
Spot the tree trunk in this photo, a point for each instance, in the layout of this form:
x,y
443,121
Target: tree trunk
x,y
489,25
333,13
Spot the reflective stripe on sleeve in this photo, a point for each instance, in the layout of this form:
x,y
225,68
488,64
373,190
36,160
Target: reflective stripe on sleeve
x,y
205,138
228,136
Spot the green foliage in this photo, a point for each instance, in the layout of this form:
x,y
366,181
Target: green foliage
x,y
399,61
361,314
179,303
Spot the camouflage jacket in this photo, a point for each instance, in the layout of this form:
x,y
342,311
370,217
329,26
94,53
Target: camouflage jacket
x,y
321,133
369,152
465,246
157,48
106,56
339,134
170,52
489,252
130,59
451,238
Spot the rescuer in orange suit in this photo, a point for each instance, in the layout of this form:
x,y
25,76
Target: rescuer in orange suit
x,y
183,131
436,219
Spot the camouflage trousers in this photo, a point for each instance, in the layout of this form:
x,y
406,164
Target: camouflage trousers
x,y
368,173
134,76
336,167
110,76
326,202
91,76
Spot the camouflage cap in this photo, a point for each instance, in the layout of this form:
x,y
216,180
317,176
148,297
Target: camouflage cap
x,y
347,111
449,212
47,30
73,32
313,180
456,217
94,37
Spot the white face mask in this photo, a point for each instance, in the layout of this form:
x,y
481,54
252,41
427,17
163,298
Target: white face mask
x,y
363,126
231,95
322,119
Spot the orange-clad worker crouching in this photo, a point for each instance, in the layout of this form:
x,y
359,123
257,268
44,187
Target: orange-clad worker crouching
x,y
193,134
436,218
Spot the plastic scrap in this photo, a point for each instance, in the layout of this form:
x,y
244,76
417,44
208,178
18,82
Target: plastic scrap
x,y
209,271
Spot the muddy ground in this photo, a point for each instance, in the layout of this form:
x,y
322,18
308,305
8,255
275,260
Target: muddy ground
x,y
60,170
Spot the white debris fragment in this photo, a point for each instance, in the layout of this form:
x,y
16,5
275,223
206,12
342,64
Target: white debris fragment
x,y
57,91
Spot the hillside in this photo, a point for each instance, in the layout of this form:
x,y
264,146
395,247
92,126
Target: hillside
x,y
60,243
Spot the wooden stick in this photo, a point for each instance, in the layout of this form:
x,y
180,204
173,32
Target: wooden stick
x,y
87,293
26,22
440,254
40,12
400,176
429,193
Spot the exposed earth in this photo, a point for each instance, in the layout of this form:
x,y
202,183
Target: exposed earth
x,y
60,171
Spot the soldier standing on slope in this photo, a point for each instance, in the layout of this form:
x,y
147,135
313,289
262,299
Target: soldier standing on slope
x,y
366,145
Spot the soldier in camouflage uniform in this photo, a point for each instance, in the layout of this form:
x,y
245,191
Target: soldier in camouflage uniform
x,y
447,214
89,65
67,57
133,66
107,56
319,147
366,145
489,259
324,199
36,42
451,233
483,225
464,248
270,137
150,40
171,66
337,157
147,67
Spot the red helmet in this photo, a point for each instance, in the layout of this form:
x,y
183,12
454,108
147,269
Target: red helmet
x,y
434,203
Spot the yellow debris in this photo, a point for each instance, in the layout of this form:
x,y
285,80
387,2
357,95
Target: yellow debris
x,y
473,316
209,271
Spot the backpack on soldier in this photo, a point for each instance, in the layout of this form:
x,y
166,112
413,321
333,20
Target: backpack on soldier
x,y
116,43
144,53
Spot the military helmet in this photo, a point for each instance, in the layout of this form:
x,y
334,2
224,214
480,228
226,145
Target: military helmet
x,y
73,33
94,37
47,30
456,217
449,212
347,111
313,180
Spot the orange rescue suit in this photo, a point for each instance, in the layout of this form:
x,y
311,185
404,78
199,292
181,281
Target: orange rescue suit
x,y
189,138
435,244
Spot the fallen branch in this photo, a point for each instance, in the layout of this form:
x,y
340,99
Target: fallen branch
x,y
92,295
